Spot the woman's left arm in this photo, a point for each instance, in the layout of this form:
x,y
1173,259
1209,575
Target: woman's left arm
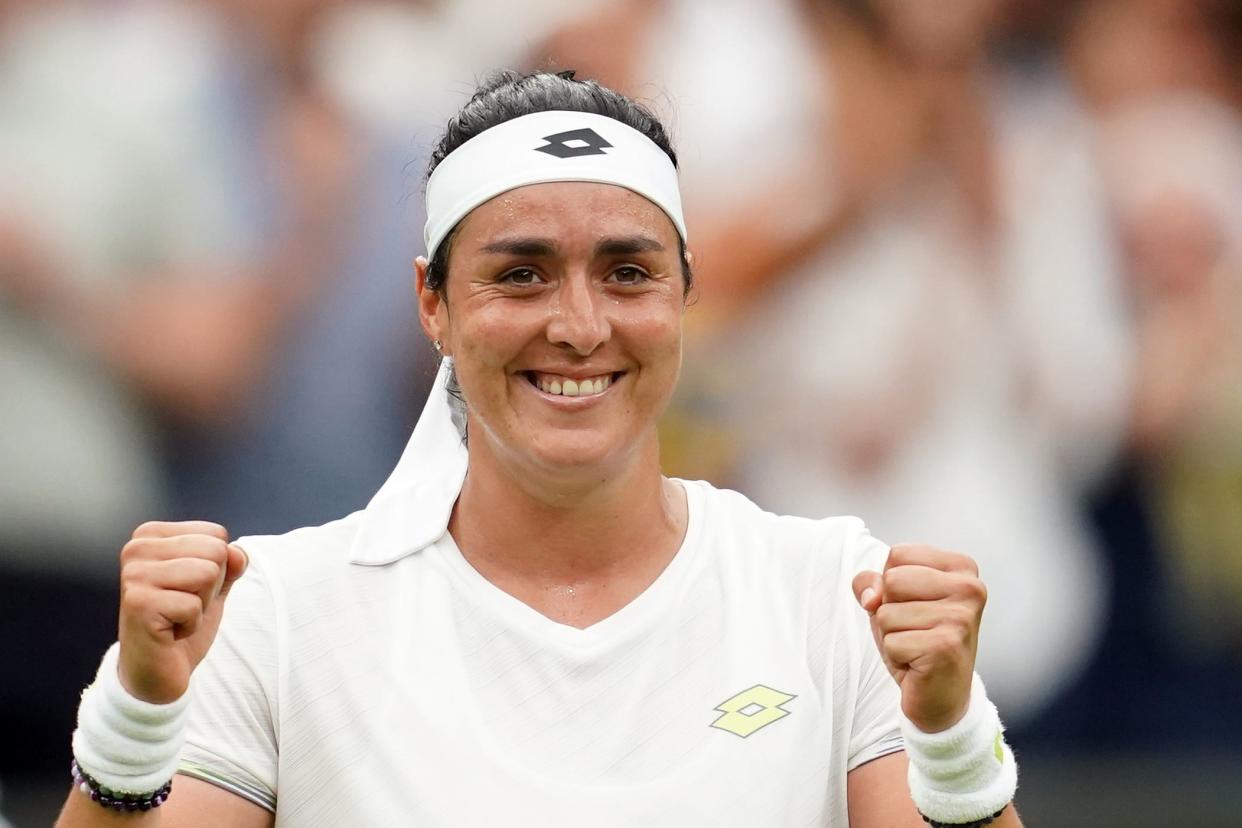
x,y
925,609
879,797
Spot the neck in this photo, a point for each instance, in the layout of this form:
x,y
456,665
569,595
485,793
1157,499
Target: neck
x,y
529,524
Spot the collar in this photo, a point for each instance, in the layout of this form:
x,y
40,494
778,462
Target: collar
x,y
411,510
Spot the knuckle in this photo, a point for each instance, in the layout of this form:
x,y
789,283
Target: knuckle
x,y
913,554
898,554
946,642
134,551
135,598
206,573
135,571
192,606
181,607
975,590
216,550
207,567
942,643
149,529
215,530
959,615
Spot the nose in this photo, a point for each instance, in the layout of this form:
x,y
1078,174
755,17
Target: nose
x,y
578,317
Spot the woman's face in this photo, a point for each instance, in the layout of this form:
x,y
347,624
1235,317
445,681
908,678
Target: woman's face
x,y
562,311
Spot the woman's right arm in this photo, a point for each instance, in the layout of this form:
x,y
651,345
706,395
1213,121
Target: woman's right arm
x,y
175,578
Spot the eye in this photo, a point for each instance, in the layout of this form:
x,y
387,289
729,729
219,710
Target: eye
x,y
520,276
629,275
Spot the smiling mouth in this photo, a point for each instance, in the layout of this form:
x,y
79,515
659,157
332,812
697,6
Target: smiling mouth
x,y
567,387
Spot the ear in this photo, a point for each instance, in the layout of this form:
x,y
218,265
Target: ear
x,y
432,309
691,296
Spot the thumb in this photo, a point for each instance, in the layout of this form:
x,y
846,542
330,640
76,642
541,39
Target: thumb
x,y
868,590
238,562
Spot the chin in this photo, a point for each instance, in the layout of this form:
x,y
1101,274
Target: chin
x,y
574,456
578,452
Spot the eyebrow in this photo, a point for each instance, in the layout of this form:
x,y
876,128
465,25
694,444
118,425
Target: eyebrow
x,y
521,247
618,246
628,245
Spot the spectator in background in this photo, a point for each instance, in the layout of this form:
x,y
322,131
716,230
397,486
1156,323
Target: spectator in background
x,y
405,66
936,227
102,168
177,174
320,194
90,202
1177,176
980,285
1161,79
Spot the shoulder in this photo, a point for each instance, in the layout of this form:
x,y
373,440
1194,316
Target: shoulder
x,y
732,519
307,552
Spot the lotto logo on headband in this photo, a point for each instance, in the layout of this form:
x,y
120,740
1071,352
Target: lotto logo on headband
x,y
574,143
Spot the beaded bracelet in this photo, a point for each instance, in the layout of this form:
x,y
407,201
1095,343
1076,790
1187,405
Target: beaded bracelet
x,y
978,823
118,800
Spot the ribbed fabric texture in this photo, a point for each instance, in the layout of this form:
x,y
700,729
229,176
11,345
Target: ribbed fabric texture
x,y
127,744
966,772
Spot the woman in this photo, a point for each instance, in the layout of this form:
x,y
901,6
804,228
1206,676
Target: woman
x,y
529,624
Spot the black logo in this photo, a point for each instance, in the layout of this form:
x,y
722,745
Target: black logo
x,y
574,143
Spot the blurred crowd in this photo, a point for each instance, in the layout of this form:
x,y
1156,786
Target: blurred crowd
x,y
970,269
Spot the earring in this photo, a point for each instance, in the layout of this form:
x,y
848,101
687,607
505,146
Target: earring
x,y
438,345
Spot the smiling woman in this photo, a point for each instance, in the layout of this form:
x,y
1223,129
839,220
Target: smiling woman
x,y
537,627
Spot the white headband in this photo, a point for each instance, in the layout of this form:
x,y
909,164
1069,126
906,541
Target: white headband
x,y
542,147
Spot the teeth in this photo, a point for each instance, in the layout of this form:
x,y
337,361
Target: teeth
x,y
575,388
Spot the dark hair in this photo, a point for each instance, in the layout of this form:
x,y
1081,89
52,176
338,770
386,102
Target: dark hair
x,y
507,95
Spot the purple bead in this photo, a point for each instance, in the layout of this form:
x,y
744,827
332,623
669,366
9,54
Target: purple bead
x,y
94,796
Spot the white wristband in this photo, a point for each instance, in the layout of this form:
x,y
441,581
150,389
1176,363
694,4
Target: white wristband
x,y
965,773
124,743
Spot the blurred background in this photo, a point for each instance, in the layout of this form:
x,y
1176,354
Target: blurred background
x,y
970,269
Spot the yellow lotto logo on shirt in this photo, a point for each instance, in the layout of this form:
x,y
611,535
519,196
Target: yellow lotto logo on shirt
x,y
752,710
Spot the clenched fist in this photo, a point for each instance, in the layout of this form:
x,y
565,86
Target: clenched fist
x,y
925,609
174,579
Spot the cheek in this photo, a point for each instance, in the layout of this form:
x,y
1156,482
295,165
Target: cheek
x,y
490,336
655,335
484,343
